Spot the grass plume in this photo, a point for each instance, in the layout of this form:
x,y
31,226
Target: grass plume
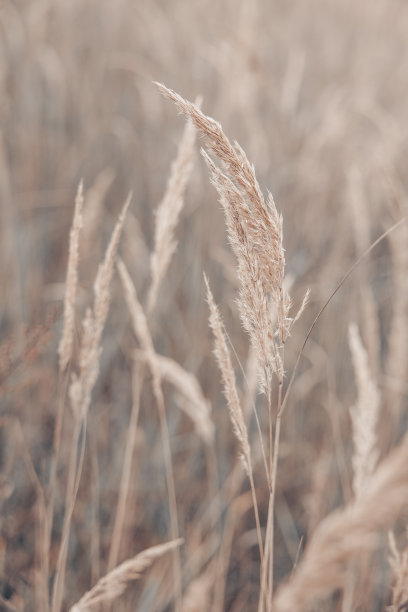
x,y
112,585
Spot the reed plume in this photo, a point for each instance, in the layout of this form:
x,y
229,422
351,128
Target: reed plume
x,y
115,582
399,565
345,533
142,333
193,402
80,392
167,216
364,415
168,212
254,229
67,338
93,325
230,390
255,232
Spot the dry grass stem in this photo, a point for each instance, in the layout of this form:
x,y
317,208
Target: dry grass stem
x,y
255,232
192,400
199,592
93,325
364,416
166,220
360,214
80,393
237,418
93,214
65,349
115,583
279,430
67,338
138,318
397,354
346,533
267,559
43,541
399,565
118,526
168,212
230,390
142,333
257,316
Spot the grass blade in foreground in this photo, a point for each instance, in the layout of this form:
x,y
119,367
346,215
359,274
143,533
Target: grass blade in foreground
x,y
114,584
254,229
347,532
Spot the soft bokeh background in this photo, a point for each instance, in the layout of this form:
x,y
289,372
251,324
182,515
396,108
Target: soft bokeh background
x,y
316,94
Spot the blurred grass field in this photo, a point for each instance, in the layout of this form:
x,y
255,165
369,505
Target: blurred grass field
x,y
316,94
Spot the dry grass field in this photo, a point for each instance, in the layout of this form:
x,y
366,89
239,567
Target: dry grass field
x,y
203,386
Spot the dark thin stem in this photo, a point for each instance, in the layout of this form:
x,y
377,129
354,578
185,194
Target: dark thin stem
x,y
323,308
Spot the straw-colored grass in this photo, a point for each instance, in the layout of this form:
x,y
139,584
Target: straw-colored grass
x,y
250,439
114,584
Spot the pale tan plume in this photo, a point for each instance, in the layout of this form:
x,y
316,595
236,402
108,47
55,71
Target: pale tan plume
x,y
168,212
115,582
67,338
80,391
364,415
141,330
199,592
93,213
345,533
255,308
230,390
399,565
255,232
192,400
138,317
93,324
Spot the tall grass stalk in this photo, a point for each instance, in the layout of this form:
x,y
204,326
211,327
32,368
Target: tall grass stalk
x,y
141,331
65,350
345,533
80,394
231,394
115,582
167,216
255,233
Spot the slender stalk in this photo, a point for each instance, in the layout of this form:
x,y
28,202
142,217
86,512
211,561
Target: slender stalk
x,y
142,332
74,476
165,436
256,512
270,419
62,391
264,576
42,510
258,425
331,296
45,531
224,556
273,486
167,216
137,382
95,544
62,555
